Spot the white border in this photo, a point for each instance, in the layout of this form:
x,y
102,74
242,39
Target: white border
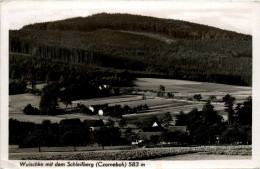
x,y
4,85
254,163
256,83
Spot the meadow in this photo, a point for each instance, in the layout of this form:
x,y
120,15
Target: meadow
x,y
182,90
186,85
138,154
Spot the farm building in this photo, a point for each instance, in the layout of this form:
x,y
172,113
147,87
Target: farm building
x,y
155,124
94,128
91,109
172,123
157,130
147,135
104,87
100,112
177,128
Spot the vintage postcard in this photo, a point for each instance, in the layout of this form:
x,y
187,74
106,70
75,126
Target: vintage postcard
x,y
130,84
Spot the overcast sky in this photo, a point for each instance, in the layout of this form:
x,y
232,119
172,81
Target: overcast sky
x,y
225,15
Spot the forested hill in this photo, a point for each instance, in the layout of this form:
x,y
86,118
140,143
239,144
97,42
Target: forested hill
x,y
174,49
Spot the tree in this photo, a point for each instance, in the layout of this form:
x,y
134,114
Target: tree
x,y
204,125
147,123
50,76
32,78
212,98
159,94
229,102
85,110
197,97
244,112
167,119
170,95
155,139
72,138
49,102
50,133
29,109
209,115
181,119
39,137
127,109
108,136
110,122
162,88
236,133
17,87
66,97
130,135
122,123
145,107
161,91
176,136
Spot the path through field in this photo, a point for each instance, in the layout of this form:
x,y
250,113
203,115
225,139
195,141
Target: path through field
x,y
151,35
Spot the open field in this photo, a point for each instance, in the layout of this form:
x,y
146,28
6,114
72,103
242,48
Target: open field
x,y
173,85
135,100
120,153
108,100
18,102
160,110
182,89
185,89
157,107
155,102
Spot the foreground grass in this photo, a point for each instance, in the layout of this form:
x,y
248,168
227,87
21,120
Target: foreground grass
x,y
228,150
143,154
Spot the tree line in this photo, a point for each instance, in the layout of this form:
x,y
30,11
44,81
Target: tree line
x,y
116,111
69,132
207,127
75,78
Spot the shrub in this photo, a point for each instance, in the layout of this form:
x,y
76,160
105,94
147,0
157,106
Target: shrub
x,y
30,110
17,87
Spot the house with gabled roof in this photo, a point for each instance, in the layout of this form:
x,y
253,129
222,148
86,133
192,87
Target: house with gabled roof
x,y
177,128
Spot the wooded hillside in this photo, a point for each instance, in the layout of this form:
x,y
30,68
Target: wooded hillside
x,y
175,49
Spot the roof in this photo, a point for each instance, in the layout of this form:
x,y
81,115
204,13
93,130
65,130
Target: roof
x,y
100,112
70,122
155,124
177,128
94,128
147,135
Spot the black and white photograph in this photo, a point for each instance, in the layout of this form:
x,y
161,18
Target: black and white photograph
x,y
140,81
